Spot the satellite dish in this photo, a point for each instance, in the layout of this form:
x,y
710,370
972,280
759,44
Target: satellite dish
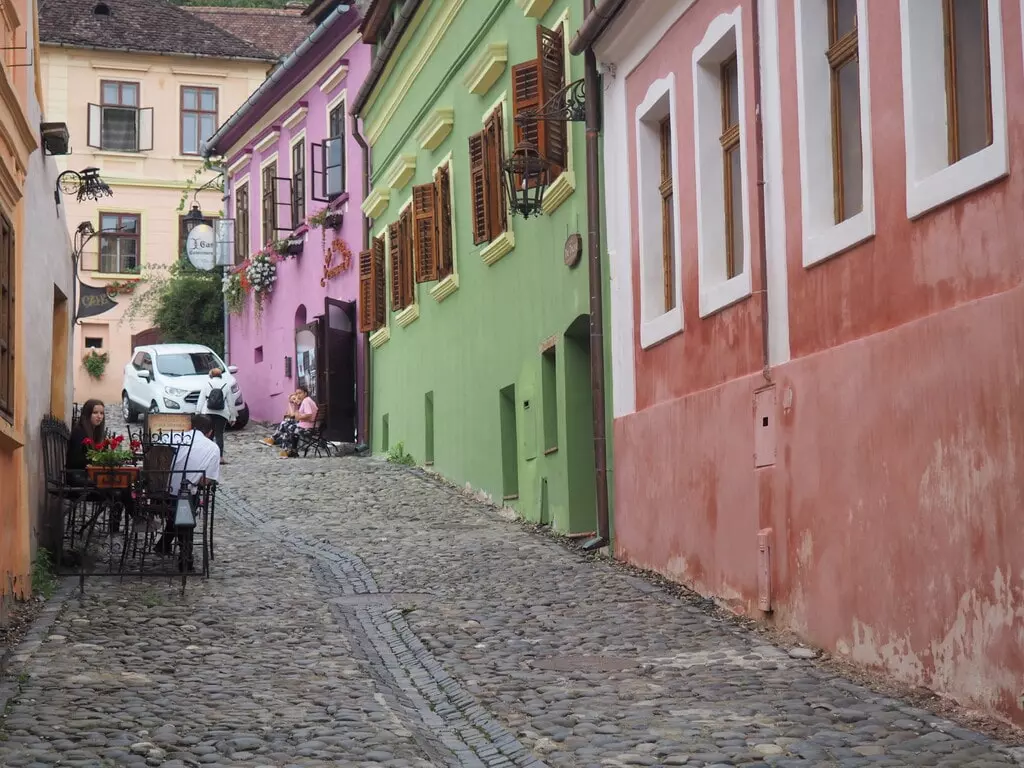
x,y
199,247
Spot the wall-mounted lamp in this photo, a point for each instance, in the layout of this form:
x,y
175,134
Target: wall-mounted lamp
x,y
85,185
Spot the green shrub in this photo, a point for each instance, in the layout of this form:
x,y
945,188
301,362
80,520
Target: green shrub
x,y
397,455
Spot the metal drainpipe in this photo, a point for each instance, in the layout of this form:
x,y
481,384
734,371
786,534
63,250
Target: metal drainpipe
x,y
223,273
597,372
365,418
762,234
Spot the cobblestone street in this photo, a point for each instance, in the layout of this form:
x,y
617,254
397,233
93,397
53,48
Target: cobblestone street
x,y
364,614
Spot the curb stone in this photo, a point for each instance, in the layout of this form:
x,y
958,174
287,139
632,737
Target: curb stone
x,y
15,658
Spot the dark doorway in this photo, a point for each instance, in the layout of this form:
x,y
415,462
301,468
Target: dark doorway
x,y
338,366
579,425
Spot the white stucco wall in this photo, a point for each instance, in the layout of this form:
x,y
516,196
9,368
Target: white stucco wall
x,y
48,267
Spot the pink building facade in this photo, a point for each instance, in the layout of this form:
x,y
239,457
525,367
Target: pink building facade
x,y
818,380
294,177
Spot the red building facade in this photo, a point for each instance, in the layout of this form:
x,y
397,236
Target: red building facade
x,y
818,381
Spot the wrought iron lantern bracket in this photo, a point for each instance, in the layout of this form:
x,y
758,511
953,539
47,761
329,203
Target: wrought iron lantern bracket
x,y
567,106
85,185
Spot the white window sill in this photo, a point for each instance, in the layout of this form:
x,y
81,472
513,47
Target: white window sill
x,y
123,276
379,337
499,248
954,181
121,152
445,288
407,315
823,245
717,297
660,328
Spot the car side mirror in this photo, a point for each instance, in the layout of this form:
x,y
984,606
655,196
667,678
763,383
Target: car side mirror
x,y
144,375
232,369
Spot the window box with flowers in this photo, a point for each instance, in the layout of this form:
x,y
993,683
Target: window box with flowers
x,y
109,462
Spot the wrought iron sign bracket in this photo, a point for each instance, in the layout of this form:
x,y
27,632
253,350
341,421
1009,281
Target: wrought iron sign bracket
x,y
567,106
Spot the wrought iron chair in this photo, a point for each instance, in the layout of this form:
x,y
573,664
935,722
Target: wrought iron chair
x,y
313,439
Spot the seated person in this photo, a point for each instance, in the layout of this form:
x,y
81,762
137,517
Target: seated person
x,y
287,427
196,463
305,421
91,429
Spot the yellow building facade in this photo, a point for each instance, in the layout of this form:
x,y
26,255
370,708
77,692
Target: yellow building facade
x,y
139,116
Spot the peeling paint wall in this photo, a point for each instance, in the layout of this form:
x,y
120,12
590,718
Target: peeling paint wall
x,y
895,494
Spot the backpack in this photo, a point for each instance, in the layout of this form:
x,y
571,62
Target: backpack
x,y
215,402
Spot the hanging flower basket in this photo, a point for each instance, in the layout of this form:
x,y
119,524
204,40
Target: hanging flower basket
x,y
261,274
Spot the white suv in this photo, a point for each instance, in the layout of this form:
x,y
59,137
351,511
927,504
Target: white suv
x,y
166,378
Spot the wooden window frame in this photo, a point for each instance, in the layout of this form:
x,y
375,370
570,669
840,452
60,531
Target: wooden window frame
x,y
198,112
445,242
666,188
492,220
120,88
730,141
949,44
298,201
372,304
400,251
119,235
241,222
8,318
841,51
268,202
339,111
119,104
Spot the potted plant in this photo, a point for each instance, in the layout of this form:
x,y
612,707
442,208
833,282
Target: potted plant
x,y
108,462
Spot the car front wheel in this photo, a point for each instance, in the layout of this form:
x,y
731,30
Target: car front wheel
x,y
127,411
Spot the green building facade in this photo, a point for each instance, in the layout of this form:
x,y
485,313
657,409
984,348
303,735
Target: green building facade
x,y
479,325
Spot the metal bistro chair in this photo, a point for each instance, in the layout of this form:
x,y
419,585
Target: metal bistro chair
x,y
55,436
155,502
313,439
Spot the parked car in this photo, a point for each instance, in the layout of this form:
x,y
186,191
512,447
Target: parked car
x,y
166,378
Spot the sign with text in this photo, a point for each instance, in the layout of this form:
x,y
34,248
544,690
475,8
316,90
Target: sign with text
x,y
94,301
199,247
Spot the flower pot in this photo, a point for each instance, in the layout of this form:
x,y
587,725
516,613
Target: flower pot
x,y
112,477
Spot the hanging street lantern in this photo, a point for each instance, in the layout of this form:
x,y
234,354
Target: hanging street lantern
x,y
525,180
85,185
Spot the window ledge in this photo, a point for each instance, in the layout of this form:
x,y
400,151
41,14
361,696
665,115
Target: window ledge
x,y
113,276
718,296
435,128
660,328
558,192
125,153
498,248
445,288
407,315
380,337
957,180
485,71
184,157
11,439
338,202
824,244
534,8
376,202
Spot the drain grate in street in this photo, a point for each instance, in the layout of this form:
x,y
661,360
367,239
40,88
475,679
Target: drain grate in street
x,y
583,663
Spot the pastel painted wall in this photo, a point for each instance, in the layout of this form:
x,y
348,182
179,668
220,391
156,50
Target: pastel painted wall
x,y
327,76
890,482
149,184
468,358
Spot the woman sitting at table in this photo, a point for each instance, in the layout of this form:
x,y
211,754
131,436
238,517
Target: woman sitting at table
x,y
92,426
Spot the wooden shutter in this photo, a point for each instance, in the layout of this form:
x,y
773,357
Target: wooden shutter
x,y
406,248
367,293
478,189
494,145
526,94
380,307
443,217
551,55
424,213
394,251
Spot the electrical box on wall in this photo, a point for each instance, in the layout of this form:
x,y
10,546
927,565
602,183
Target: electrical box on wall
x,y
764,427
764,569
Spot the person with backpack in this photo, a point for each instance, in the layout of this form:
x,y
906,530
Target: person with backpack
x,y
216,401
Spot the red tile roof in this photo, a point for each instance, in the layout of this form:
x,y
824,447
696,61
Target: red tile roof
x,y
278,31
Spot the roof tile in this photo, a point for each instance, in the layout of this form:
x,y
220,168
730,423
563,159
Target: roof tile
x,y
278,31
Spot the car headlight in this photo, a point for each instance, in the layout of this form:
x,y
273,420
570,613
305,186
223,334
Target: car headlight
x,y
175,392
234,388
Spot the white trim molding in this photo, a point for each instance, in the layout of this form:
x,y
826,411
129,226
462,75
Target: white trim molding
x,y
297,116
657,323
723,38
268,141
487,68
931,180
435,128
822,236
334,79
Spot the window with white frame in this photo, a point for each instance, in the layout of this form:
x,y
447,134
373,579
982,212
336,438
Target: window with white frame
x,y
954,98
661,313
837,180
720,126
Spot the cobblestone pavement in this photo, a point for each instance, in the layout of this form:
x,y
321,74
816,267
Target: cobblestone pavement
x,y
363,614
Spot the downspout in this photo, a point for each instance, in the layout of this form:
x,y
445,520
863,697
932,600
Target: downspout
x,y
592,88
365,417
223,273
762,234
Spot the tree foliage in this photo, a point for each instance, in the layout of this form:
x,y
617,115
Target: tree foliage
x,y
186,304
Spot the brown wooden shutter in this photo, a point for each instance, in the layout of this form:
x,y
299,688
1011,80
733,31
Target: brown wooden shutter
x,y
367,293
394,252
443,217
478,189
526,94
407,234
380,291
551,55
494,145
424,213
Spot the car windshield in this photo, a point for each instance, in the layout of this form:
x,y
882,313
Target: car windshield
x,y
187,363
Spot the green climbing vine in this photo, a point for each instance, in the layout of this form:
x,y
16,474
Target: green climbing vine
x,y
192,182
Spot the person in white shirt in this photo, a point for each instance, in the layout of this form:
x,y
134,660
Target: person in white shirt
x,y
220,407
196,463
